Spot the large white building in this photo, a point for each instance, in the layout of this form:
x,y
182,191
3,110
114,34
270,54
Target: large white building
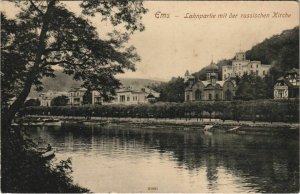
x,y
241,66
76,96
129,96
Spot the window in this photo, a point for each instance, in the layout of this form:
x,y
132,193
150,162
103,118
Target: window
x,y
228,95
198,94
264,72
128,98
251,65
256,65
210,97
122,98
187,97
256,72
217,96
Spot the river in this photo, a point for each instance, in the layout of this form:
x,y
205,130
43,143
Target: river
x,y
135,159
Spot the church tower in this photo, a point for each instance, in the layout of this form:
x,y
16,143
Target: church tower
x,y
212,72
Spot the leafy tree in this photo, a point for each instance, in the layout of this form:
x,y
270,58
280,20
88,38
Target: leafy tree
x,y
281,51
251,87
32,102
87,97
60,101
34,42
172,91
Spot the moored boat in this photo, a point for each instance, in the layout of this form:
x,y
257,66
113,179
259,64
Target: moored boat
x,y
52,122
234,129
48,154
207,127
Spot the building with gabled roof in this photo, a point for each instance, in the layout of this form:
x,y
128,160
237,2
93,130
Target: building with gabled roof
x,y
128,96
288,85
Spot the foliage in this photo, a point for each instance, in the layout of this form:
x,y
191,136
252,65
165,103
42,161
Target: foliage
x,y
172,91
251,87
60,101
87,97
258,110
70,41
281,51
23,170
33,43
32,102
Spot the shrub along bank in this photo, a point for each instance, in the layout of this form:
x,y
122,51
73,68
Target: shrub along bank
x,y
258,110
24,171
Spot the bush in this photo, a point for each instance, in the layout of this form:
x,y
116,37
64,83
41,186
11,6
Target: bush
x,y
23,171
257,110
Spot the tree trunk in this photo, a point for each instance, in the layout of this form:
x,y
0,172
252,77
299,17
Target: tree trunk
x,y
18,103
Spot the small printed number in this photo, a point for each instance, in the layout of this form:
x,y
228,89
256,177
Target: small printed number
x,y
152,188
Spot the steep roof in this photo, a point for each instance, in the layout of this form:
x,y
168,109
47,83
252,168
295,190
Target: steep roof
x,y
294,70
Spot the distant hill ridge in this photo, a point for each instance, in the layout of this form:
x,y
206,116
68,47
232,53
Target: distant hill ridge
x,y
64,82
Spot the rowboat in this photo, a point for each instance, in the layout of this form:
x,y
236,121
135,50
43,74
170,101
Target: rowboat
x,y
52,122
234,129
48,154
207,127
44,153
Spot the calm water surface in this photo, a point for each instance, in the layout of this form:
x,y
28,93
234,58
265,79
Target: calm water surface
x,y
131,159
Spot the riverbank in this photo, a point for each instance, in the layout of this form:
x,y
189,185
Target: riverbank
x,y
176,123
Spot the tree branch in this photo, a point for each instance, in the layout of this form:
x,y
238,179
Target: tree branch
x,y
36,8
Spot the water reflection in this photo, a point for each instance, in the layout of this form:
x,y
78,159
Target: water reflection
x,y
129,159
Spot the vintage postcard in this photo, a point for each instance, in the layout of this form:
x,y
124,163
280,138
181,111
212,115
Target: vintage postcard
x,y
149,96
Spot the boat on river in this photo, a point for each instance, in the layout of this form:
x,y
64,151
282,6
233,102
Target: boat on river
x,y
46,153
207,127
234,129
28,123
52,122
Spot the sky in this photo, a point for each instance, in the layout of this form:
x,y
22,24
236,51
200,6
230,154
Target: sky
x,y
170,46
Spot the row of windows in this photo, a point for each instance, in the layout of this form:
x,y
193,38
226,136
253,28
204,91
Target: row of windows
x,y
198,96
74,93
240,73
234,68
122,98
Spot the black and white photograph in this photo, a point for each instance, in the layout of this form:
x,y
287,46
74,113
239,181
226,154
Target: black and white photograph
x,y
132,96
